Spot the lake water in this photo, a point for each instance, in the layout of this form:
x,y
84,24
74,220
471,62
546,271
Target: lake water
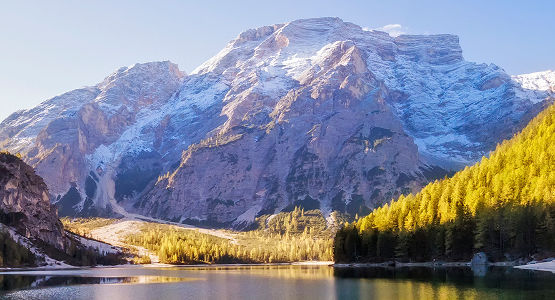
x,y
277,282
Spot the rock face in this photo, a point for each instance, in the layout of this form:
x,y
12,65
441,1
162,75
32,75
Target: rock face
x,y
25,203
316,112
59,136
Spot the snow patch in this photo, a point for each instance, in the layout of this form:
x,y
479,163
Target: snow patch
x,y
248,216
23,241
393,30
102,248
535,87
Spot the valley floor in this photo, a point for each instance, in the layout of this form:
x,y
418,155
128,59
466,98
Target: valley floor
x,y
115,233
296,236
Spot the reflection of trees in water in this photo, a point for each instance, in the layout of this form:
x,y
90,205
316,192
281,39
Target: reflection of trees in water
x,y
18,282
8,283
442,283
341,283
275,271
293,272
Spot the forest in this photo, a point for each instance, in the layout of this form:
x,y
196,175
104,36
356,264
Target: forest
x,y
504,205
287,237
12,254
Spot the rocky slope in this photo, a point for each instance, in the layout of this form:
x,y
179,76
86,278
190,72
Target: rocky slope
x,y
59,136
31,233
315,112
25,203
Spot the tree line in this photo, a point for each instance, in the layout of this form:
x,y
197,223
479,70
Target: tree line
x,y
287,237
12,254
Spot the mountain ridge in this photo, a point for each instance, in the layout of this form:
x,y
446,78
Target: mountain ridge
x,y
309,110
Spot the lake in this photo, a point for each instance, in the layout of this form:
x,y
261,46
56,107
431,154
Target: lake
x,y
277,282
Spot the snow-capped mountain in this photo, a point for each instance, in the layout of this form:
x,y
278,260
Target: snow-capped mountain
x,y
315,112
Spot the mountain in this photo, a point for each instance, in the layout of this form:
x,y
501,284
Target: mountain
x,y
66,138
504,205
318,113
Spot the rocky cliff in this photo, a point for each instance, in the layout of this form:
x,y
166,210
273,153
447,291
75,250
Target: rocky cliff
x,y
25,203
58,136
317,112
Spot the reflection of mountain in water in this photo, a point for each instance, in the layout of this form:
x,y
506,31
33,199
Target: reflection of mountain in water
x,y
18,282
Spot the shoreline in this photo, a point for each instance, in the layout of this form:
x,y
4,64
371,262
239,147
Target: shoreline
x,y
392,264
161,265
547,266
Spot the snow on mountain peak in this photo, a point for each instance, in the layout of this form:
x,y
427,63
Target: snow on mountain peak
x,y
137,70
299,40
536,86
129,88
393,30
541,81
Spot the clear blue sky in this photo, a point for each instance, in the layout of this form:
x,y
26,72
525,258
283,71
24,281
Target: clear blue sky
x,y
50,47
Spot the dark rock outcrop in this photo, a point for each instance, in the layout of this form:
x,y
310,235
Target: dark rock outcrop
x,y
25,204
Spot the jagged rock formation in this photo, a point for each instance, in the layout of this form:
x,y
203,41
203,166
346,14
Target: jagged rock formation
x,y
316,112
25,203
58,136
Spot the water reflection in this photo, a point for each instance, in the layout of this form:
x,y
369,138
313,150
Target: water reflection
x,y
443,283
16,282
479,270
278,282
307,272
